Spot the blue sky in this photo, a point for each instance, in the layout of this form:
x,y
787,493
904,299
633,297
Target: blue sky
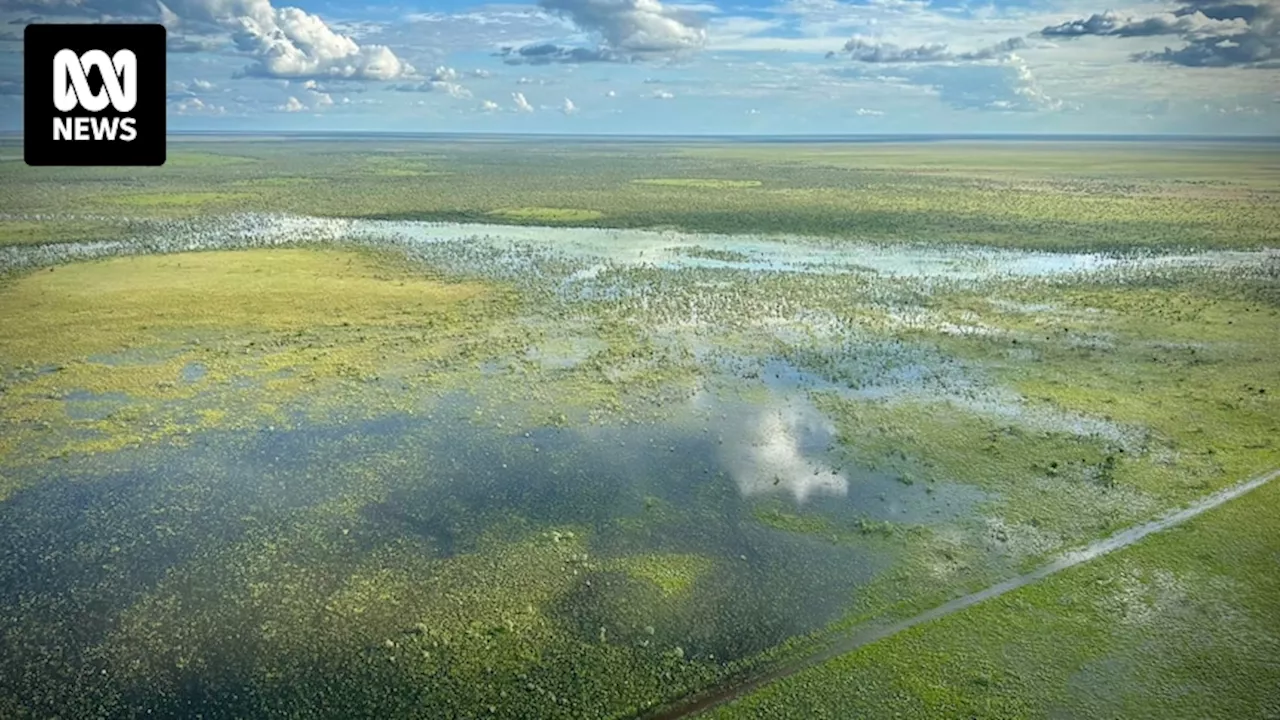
x,y
701,66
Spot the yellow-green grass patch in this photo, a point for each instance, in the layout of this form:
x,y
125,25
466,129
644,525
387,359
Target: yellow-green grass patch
x,y
206,159
547,214
171,200
674,574
35,232
702,183
286,318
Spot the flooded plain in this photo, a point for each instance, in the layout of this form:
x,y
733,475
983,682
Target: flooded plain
x,y
661,460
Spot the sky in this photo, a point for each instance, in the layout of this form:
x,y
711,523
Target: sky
x,y
700,66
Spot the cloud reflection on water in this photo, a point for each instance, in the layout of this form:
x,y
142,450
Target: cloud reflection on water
x,y
777,449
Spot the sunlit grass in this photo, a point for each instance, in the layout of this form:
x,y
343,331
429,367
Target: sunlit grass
x,y
547,214
1053,408
165,200
1052,196
1184,624
701,183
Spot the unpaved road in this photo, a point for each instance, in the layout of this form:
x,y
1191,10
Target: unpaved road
x,y
868,634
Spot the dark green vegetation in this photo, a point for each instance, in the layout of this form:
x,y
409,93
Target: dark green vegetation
x,y
471,477
1104,196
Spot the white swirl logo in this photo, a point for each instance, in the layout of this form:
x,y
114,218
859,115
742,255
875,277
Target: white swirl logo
x,y
119,80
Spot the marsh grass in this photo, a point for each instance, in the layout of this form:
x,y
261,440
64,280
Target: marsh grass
x,y
262,440
1041,196
317,315
547,214
700,183
1182,624
24,231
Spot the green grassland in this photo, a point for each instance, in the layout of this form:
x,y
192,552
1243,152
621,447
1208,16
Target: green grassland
x,y
60,230
1184,624
1031,195
266,443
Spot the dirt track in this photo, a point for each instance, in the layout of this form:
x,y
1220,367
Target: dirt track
x,y
866,635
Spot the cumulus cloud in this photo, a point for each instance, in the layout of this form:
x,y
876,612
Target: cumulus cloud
x,y
522,105
178,43
443,74
1193,24
635,26
1006,85
662,95
868,50
488,106
442,79
287,42
629,30
196,106
547,53
1027,91
568,108
451,89
1216,33
293,104
290,42
864,112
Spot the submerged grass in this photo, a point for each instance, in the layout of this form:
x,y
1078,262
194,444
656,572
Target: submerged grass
x,y
294,320
373,572
1183,624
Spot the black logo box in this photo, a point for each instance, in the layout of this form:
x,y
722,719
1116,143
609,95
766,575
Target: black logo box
x,y
41,43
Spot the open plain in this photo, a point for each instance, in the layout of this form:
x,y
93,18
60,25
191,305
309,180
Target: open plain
x,y
384,427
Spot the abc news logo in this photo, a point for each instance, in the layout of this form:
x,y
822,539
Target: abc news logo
x,y
94,95
71,90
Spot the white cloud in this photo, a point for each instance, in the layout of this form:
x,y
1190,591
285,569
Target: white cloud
x,y
870,50
767,456
452,89
637,26
628,30
196,106
568,108
662,95
443,74
1216,33
522,105
488,106
864,112
292,105
289,42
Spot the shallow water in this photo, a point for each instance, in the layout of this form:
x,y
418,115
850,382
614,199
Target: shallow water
x,y
731,525
519,248
707,485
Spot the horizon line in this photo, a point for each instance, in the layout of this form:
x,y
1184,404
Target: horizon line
x,y
729,136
